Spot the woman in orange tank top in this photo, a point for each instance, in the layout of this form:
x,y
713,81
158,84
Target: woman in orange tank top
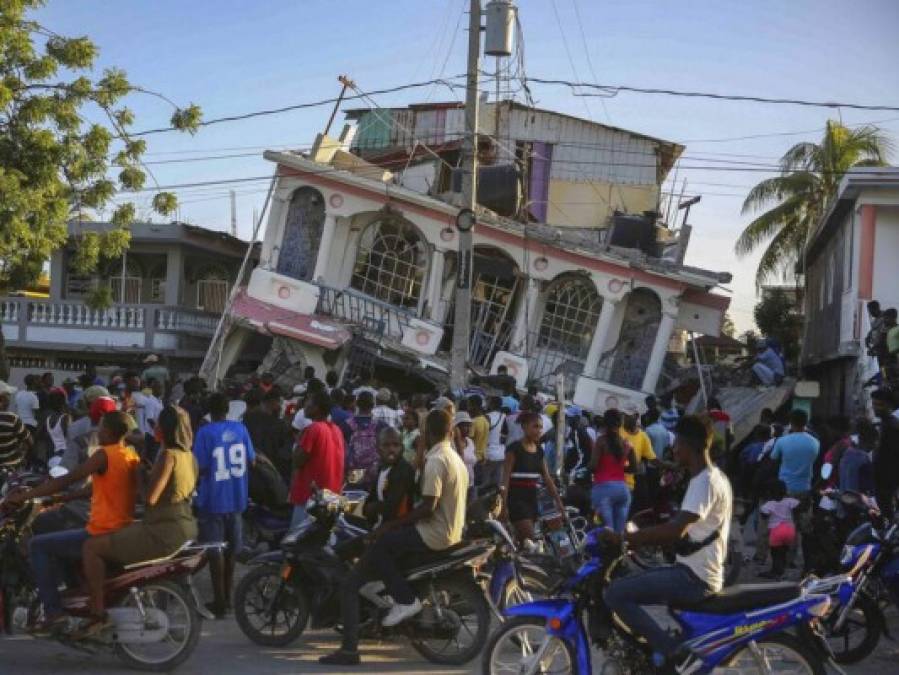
x,y
113,469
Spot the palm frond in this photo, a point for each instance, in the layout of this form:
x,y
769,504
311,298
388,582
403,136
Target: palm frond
x,y
780,188
778,256
771,223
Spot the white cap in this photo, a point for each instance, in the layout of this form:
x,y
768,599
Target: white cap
x,y
462,417
152,358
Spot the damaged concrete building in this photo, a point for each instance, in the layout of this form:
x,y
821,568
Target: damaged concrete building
x,y
359,256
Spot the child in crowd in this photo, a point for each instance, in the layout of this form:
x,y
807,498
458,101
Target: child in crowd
x,y
781,528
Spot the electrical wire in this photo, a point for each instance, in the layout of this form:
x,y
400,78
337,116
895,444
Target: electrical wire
x,y
574,86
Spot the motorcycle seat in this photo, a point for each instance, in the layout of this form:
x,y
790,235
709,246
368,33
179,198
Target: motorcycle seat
x,y
462,550
741,598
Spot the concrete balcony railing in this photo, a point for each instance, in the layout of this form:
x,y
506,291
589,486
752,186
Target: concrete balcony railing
x,y
72,325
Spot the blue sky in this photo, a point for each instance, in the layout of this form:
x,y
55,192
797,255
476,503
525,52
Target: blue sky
x,y
233,56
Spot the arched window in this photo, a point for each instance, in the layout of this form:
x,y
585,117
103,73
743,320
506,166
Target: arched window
x,y
390,263
569,316
302,234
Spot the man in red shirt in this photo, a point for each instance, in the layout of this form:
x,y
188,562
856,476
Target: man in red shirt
x,y
318,457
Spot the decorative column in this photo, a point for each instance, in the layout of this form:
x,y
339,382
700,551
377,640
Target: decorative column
x,y
435,285
273,232
324,248
603,323
659,349
174,264
527,311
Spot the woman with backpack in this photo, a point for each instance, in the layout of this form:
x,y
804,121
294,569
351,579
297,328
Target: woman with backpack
x,y
362,441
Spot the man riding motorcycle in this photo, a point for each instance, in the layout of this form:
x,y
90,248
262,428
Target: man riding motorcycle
x,y
699,532
113,469
434,525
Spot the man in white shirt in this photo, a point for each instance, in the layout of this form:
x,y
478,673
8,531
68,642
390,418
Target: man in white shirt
x,y
383,412
699,532
26,404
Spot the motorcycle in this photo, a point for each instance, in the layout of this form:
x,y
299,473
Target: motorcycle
x,y
263,528
300,585
870,582
743,628
154,608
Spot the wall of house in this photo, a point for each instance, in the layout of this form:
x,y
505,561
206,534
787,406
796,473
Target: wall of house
x,y
826,283
591,204
886,253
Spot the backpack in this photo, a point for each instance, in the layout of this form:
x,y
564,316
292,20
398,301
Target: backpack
x,y
362,450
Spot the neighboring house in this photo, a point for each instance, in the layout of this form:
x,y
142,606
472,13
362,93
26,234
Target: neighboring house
x,y
168,294
716,350
356,272
850,259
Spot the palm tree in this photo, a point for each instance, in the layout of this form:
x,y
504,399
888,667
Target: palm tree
x,y
797,198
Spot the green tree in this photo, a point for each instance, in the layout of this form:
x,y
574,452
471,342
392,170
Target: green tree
x,y
777,317
727,326
65,146
795,201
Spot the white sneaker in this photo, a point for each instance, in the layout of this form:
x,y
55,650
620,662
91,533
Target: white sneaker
x,y
399,613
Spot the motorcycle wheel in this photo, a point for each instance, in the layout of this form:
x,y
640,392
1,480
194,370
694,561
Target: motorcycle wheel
x,y
864,621
260,598
465,600
512,647
781,653
183,630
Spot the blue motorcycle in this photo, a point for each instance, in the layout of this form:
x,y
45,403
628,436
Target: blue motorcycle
x,y
870,581
743,628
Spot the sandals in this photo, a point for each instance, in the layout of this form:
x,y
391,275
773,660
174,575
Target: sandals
x,y
91,627
49,626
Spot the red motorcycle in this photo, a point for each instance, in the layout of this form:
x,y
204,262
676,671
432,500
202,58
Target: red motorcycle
x,y
155,610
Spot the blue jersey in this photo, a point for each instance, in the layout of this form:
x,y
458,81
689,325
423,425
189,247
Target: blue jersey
x,y
224,453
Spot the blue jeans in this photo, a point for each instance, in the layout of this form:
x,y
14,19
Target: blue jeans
x,y
226,527
654,587
47,553
611,500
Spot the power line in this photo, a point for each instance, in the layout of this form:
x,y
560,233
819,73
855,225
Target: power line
x,y
702,94
784,133
300,106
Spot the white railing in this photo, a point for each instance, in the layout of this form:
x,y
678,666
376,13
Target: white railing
x,y
175,319
9,311
81,316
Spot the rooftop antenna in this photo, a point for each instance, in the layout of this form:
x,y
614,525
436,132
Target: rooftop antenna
x,y
233,214
347,83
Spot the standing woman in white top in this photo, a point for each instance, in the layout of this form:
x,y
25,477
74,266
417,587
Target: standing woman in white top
x,y
57,423
496,449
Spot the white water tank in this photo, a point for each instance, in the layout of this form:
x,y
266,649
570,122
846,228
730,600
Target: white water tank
x,y
500,27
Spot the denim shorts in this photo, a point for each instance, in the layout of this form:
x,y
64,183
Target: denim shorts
x,y
226,527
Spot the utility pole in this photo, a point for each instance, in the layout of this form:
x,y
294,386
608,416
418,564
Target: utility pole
x,y
233,214
462,318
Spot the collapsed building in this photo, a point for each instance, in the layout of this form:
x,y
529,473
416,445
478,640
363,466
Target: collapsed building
x,y
574,271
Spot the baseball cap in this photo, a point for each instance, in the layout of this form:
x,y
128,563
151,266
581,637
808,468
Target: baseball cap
x,y
384,395
100,407
462,417
7,389
441,403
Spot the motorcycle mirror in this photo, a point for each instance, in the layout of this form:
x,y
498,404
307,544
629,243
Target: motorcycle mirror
x,y
827,471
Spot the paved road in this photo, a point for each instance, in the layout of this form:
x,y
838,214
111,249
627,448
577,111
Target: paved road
x,y
223,650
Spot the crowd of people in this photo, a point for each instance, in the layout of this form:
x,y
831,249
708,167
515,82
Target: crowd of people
x,y
195,458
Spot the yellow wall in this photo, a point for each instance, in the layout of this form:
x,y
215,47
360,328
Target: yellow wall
x,y
591,204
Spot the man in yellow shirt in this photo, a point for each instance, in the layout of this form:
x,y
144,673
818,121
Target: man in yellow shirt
x,y
643,453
